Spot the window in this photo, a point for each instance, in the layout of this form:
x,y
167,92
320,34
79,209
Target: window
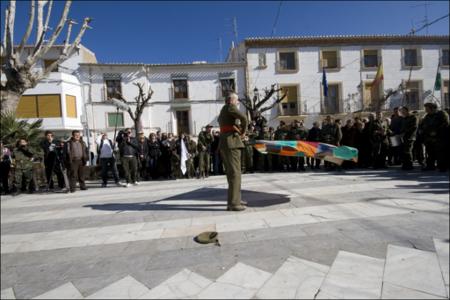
x,y
370,59
331,102
180,89
290,103
262,60
39,106
287,61
330,59
71,106
113,88
115,119
445,57
227,85
445,100
411,58
48,62
412,94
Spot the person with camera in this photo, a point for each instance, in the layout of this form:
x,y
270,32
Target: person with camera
x,y
105,152
128,152
51,161
76,157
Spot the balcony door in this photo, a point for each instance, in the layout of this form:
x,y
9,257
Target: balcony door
x,y
182,121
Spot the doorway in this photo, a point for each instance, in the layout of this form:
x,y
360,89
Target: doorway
x,y
182,122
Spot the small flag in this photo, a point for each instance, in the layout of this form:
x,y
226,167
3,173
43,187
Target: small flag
x,y
324,83
184,157
438,81
379,77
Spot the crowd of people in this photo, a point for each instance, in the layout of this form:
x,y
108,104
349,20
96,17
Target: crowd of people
x,y
401,139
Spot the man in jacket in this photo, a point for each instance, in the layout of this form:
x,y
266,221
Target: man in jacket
x,y
76,157
128,152
51,161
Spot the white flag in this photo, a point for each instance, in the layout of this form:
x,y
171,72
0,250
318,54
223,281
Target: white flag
x,y
184,157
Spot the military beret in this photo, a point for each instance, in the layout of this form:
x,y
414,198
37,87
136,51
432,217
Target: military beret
x,y
207,237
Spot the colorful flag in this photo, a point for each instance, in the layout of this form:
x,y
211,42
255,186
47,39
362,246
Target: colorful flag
x,y
324,83
438,81
318,150
379,77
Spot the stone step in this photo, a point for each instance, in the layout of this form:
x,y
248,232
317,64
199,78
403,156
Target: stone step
x,y
7,294
239,282
443,253
125,288
353,276
184,284
295,279
65,291
412,269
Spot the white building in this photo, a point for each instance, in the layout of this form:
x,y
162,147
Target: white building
x,y
295,64
186,97
57,100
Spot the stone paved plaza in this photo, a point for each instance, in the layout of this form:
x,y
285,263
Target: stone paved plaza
x,y
350,234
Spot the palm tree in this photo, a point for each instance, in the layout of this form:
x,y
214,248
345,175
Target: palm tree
x,y
12,129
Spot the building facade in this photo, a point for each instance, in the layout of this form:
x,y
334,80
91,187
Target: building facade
x,y
296,65
186,97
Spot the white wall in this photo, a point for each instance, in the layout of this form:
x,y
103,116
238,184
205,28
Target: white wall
x,y
309,75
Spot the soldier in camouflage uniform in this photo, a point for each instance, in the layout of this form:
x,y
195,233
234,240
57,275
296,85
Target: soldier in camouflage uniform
x,y
432,130
247,162
205,139
192,150
302,135
23,166
267,135
280,135
330,134
379,142
408,131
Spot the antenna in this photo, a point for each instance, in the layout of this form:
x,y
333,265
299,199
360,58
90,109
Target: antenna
x,y
425,5
220,50
235,30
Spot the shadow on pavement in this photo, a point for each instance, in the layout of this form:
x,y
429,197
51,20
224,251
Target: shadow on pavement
x,y
193,201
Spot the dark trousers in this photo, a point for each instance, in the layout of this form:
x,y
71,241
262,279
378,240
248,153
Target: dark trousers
x,y
5,167
153,167
53,166
129,165
76,172
407,153
109,164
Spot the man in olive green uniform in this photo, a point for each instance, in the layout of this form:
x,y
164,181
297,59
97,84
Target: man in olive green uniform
x,y
267,136
23,166
331,134
230,145
432,127
205,139
192,152
280,135
379,142
408,131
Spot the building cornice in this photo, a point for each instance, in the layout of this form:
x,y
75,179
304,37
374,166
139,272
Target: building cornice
x,y
292,41
180,65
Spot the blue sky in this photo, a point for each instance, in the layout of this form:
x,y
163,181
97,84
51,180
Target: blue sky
x,y
185,31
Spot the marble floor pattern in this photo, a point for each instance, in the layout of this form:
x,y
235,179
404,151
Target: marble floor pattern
x,y
352,234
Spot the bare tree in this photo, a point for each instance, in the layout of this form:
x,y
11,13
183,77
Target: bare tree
x,y
381,101
18,66
141,101
256,105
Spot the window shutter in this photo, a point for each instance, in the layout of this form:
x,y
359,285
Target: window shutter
x,y
71,106
27,107
419,57
49,106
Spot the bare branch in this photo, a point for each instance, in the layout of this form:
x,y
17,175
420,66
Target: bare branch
x,y
10,30
40,19
5,30
40,50
273,104
77,40
47,19
29,28
69,31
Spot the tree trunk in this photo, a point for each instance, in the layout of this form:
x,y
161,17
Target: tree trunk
x,y
9,100
136,127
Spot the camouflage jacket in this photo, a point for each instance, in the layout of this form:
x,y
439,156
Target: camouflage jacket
x,y
22,158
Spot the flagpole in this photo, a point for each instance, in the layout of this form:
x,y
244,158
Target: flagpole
x,y
435,80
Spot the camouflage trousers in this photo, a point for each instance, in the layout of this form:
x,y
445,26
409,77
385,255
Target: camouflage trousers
x,y
23,177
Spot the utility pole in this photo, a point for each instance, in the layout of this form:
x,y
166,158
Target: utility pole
x,y
425,5
235,30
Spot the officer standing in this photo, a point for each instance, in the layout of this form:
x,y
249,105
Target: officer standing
x,y
230,145
408,131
